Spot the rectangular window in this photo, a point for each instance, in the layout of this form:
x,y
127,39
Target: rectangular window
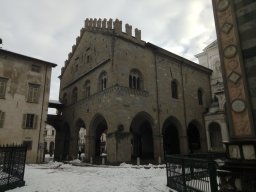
x,y
33,93
36,68
29,121
2,114
3,82
52,132
28,144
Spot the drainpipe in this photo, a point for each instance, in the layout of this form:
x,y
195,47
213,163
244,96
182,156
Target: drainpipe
x,y
41,118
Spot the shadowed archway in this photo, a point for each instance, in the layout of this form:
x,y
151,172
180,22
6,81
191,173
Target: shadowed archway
x,y
193,133
170,131
80,136
99,132
142,136
215,136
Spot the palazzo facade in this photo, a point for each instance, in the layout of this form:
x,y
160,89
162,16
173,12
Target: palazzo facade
x,y
134,98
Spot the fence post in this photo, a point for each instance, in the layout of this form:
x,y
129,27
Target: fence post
x,y
183,175
9,165
213,176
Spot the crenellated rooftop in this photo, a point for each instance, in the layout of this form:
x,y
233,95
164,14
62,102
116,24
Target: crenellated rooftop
x,y
106,26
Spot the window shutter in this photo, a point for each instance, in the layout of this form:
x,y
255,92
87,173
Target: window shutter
x,y
35,121
24,121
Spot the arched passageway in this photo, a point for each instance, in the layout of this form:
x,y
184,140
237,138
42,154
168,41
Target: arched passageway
x,y
170,131
193,134
66,141
99,128
51,148
215,136
142,136
80,136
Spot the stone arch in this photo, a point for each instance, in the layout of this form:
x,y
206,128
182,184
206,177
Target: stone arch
x,y
142,136
215,136
171,131
80,133
194,136
98,133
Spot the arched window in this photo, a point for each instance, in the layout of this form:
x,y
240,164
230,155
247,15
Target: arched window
x,y
200,96
65,99
135,79
74,95
87,89
103,81
174,90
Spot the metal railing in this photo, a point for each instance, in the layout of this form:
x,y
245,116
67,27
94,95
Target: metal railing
x,y
12,166
210,172
189,173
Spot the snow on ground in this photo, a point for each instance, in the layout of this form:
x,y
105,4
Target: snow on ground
x,y
55,176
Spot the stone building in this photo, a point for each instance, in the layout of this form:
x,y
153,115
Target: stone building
x,y
49,139
215,119
146,100
24,95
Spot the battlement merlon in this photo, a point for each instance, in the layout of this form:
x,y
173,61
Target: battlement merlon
x,y
109,25
106,26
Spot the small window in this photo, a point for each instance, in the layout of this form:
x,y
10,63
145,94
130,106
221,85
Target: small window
x,y
87,89
2,115
28,144
52,132
29,121
74,95
103,81
65,99
3,82
135,79
36,68
33,93
174,90
200,96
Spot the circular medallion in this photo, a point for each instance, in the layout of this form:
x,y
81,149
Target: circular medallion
x,y
222,5
230,51
238,105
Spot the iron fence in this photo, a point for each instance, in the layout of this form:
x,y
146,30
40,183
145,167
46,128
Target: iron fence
x,y
12,166
191,174
208,173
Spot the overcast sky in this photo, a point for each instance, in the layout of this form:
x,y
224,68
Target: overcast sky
x,y
47,29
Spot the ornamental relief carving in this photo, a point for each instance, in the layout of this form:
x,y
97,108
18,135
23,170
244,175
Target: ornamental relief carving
x,y
241,123
232,69
232,64
236,92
